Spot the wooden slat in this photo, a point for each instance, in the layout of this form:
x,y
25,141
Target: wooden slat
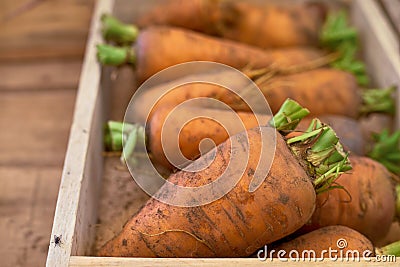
x,y
48,29
76,210
35,127
392,8
231,262
53,74
27,202
380,46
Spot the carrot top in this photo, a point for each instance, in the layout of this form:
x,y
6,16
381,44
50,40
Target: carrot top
x,y
114,55
119,135
378,100
337,35
319,149
386,150
115,30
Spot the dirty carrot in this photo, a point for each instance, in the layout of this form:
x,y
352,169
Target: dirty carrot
x,y
365,200
159,47
169,132
243,220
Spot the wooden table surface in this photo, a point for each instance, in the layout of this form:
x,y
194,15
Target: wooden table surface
x,y
42,44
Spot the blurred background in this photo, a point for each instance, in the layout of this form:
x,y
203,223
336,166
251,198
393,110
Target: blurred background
x,y
42,44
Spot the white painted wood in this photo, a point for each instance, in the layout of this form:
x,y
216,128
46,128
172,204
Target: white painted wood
x,y
380,45
217,262
75,210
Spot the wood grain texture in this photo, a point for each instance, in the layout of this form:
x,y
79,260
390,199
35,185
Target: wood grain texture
x,y
47,75
41,48
37,127
44,29
392,9
27,200
76,210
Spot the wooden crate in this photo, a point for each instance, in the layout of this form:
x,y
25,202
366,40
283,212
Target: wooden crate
x,y
80,202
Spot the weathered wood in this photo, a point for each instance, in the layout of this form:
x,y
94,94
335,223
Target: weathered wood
x,y
147,262
27,202
54,74
35,127
392,8
46,29
76,210
380,47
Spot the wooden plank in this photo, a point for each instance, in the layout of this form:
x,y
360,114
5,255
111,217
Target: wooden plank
x,y
27,202
231,262
392,9
46,75
76,204
49,29
35,127
380,46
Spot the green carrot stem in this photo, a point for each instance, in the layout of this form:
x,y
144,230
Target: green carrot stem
x,y
337,35
319,148
288,116
378,100
386,150
116,31
113,136
391,249
115,56
123,136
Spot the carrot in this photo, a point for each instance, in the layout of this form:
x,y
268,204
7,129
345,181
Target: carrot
x,y
247,25
184,130
328,242
322,91
245,218
264,25
348,130
392,235
160,47
332,242
373,124
366,204
211,125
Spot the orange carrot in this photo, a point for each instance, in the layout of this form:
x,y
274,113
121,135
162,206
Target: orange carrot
x,y
366,204
210,125
185,130
241,221
322,91
328,242
160,47
265,25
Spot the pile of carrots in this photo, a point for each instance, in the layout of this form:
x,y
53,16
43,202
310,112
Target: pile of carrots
x,y
330,178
